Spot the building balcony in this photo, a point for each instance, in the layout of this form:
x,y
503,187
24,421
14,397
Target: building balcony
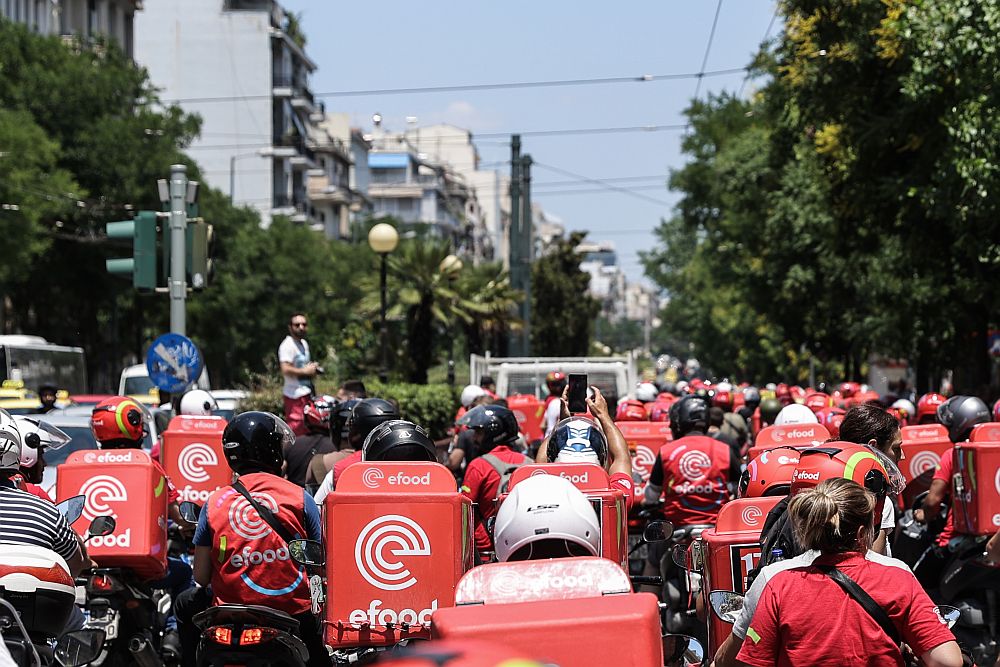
x,y
321,189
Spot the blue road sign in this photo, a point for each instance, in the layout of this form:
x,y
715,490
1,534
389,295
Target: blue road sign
x,y
173,362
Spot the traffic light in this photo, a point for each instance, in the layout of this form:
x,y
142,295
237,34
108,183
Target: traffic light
x,y
198,263
142,264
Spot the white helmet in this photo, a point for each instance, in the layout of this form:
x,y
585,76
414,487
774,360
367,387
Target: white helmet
x,y
471,393
725,385
545,516
646,392
795,413
10,443
907,407
36,435
198,402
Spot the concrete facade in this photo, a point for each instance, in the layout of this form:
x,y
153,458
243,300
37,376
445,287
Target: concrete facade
x,y
81,18
338,188
235,63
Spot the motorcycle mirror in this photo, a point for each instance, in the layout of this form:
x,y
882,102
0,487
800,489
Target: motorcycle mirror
x,y
306,552
101,526
679,555
657,531
727,605
682,650
72,508
948,615
189,511
80,647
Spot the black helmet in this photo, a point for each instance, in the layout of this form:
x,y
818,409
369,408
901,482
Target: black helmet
x,y
769,409
256,442
578,439
751,397
340,420
497,424
960,414
688,414
367,414
398,440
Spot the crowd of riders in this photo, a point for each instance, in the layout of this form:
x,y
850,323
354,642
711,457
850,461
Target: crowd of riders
x,y
837,515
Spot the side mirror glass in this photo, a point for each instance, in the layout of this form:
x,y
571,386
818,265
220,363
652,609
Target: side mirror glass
x,y
681,651
657,531
101,526
679,554
948,615
307,552
189,511
727,605
72,508
80,647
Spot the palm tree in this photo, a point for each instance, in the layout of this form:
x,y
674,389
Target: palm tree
x,y
487,287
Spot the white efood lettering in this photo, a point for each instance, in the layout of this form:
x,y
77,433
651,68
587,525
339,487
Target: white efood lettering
x,y
814,476
689,487
801,434
248,557
576,479
402,479
122,541
114,458
376,616
191,494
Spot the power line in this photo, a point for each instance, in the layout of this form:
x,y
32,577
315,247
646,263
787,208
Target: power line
x,y
616,179
708,48
585,130
591,191
767,34
606,186
481,86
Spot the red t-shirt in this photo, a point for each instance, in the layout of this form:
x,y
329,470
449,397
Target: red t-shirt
x,y
481,486
804,618
943,472
340,466
624,483
28,487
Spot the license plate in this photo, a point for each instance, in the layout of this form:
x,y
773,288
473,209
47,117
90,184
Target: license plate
x,y
108,623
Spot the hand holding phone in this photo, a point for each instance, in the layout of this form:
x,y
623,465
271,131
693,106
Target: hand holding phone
x,y
577,398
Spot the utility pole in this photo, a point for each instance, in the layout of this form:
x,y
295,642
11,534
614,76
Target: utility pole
x,y
514,234
178,248
527,253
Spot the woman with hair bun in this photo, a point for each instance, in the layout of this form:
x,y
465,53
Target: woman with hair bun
x,y
802,616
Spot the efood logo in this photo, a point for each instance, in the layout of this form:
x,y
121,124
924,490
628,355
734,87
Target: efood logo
x,y
380,545
694,465
751,515
371,478
193,460
921,462
99,491
539,472
996,480
644,457
245,520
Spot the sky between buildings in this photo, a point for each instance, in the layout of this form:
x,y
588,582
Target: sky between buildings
x,y
393,44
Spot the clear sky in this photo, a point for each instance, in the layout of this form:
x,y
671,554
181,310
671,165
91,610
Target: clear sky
x,y
393,44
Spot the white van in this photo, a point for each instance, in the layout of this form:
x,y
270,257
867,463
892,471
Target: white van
x,y
135,382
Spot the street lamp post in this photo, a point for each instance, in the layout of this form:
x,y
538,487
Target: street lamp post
x,y
450,267
382,238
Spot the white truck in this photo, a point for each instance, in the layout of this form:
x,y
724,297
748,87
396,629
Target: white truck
x,y
616,377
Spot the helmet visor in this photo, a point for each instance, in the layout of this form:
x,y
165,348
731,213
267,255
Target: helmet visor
x,y
45,435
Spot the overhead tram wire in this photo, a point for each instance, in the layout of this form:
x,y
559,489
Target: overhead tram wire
x,y
606,186
644,78
767,34
708,49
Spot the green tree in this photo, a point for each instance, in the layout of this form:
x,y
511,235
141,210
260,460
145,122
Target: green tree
x,y
562,313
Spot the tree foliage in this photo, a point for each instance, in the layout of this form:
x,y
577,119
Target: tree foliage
x,y
562,313
845,210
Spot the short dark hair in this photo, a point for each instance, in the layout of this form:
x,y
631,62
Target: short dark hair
x,y
296,314
716,416
356,387
486,380
863,423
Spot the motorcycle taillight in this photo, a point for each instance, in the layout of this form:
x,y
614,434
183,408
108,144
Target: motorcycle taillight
x,y
102,584
220,634
257,636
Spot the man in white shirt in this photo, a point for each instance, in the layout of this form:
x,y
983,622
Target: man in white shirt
x,y
298,371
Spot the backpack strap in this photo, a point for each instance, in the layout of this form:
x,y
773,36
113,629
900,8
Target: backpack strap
x,y
873,608
265,513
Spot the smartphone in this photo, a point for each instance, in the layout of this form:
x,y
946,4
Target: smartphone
x,y
577,393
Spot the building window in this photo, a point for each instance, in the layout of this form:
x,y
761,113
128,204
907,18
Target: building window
x,y
91,17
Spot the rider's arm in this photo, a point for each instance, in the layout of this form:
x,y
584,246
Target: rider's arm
x,y
726,655
69,545
325,488
307,371
455,456
618,454
202,541
654,486
313,523
947,654
935,496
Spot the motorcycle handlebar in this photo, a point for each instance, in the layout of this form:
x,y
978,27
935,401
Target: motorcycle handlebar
x,y
645,580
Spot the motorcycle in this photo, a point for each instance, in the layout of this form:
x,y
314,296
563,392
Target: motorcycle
x,y
680,583
251,635
72,649
972,585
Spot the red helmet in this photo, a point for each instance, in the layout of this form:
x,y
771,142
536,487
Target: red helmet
x,y
927,408
830,418
797,392
996,411
847,389
660,411
770,473
317,414
866,396
555,381
817,401
456,653
117,418
630,411
900,415
841,459
782,393
723,399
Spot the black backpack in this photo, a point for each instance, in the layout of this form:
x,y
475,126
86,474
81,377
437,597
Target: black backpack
x,y
776,534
